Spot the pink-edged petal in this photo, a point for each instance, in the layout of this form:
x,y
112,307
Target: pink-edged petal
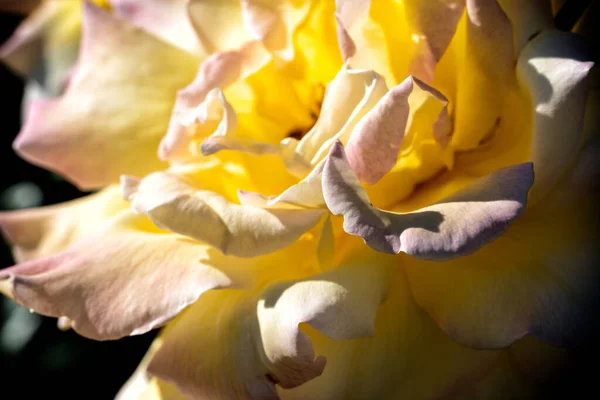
x,y
119,281
85,134
218,71
167,19
455,226
351,94
40,232
373,146
554,68
241,343
486,72
528,19
345,42
234,229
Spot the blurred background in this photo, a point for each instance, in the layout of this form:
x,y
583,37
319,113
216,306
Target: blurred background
x,y
33,352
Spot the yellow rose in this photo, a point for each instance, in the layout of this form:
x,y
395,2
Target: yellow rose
x,y
341,204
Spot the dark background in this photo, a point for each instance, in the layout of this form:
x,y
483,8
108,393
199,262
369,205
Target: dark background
x,y
35,356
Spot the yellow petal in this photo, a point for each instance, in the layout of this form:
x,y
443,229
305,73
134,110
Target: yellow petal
x,y
85,134
249,340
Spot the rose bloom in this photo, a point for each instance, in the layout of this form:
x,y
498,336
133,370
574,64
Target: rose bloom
x,y
317,200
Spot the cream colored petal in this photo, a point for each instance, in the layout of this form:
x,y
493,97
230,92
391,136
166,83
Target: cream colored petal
x,y
85,134
554,69
239,344
243,231
41,232
124,279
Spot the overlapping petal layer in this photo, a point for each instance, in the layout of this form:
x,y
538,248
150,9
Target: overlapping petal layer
x,y
84,134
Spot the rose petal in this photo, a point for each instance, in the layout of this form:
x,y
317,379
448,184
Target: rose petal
x,y
85,135
204,215
432,25
540,277
44,231
249,341
167,19
375,141
455,226
217,71
121,281
485,73
44,47
528,18
554,68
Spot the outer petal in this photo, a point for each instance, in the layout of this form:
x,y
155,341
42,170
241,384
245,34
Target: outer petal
x,y
44,231
168,19
540,277
246,342
126,279
243,231
85,134
554,69
457,225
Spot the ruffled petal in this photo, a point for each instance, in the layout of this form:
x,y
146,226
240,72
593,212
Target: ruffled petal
x,y
241,343
457,225
41,232
84,134
204,215
218,71
373,146
554,68
123,280
540,277
167,19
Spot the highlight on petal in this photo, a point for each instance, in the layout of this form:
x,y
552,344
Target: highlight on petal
x,y
248,341
125,279
41,232
373,146
243,231
455,226
85,134
554,68
167,19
